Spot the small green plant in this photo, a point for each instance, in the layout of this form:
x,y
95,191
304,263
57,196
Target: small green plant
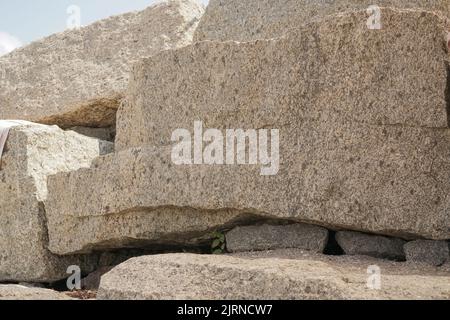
x,y
218,244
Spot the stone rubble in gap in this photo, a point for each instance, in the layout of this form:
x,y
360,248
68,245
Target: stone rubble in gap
x,y
356,243
427,251
270,237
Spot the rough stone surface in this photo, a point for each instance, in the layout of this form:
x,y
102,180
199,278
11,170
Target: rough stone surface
x,y
381,179
34,152
432,252
335,70
92,281
382,173
270,237
186,276
261,19
356,243
78,77
134,220
16,292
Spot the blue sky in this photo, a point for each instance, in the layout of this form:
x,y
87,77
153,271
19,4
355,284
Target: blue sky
x,y
23,21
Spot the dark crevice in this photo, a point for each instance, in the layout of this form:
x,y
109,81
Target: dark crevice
x,y
105,134
333,248
43,223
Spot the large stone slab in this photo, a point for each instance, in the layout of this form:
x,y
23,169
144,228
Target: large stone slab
x,y
335,70
32,153
78,77
197,277
363,140
262,19
390,180
16,292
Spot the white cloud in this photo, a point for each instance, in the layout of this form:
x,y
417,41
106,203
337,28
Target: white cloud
x,y
8,43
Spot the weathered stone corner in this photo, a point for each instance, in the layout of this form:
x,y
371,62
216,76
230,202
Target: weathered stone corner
x,y
34,152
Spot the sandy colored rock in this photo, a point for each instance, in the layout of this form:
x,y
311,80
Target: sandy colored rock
x,y
17,292
134,220
434,253
271,237
92,281
361,143
78,77
388,180
262,19
330,71
32,153
356,243
187,276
